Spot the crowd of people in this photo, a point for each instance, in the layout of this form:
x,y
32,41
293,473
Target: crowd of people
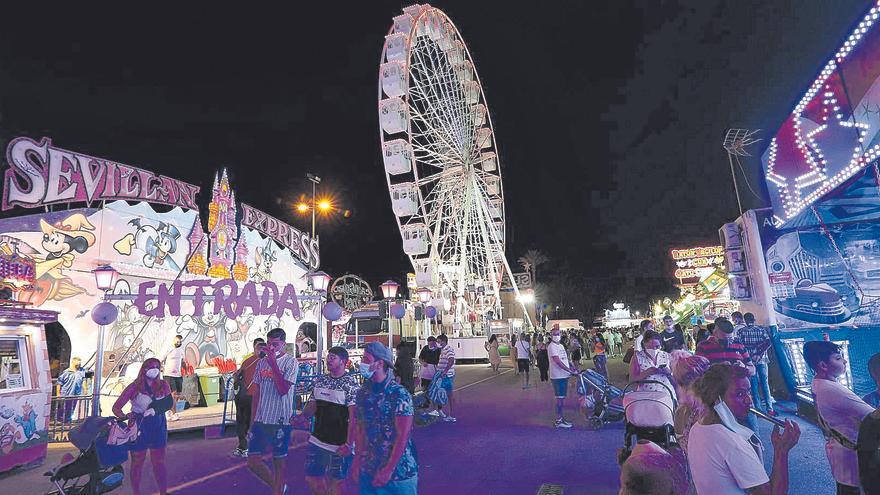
x,y
360,423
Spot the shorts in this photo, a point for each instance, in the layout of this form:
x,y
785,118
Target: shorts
x,y
560,387
175,382
522,365
408,486
263,438
446,383
321,462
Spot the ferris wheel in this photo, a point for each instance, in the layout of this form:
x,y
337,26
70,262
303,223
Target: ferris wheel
x,y
441,163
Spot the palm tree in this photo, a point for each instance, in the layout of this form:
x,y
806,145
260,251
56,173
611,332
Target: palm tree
x,y
531,261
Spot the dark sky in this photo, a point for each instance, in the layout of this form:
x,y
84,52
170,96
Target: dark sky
x,y
609,116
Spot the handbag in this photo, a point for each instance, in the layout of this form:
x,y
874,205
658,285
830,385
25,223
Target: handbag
x,y
120,434
628,357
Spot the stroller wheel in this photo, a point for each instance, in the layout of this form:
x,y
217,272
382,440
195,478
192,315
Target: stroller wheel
x,y
596,423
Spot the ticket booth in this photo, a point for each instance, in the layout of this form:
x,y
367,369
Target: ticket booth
x,y
25,385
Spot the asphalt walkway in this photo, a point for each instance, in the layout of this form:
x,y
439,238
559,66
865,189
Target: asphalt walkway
x,y
503,443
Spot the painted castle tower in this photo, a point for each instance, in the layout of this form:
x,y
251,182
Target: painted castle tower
x,y
240,269
221,228
198,246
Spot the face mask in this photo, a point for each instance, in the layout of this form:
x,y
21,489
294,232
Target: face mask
x,y
152,373
730,422
651,352
365,370
556,338
177,344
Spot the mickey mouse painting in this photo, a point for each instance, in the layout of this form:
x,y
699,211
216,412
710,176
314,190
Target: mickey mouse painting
x,y
62,241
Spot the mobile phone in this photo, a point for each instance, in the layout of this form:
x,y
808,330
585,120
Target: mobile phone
x,y
776,421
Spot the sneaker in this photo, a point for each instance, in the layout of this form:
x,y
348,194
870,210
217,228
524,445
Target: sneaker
x,y
772,412
561,423
240,453
449,419
434,413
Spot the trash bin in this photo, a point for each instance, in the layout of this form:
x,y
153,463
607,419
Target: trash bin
x,y
210,385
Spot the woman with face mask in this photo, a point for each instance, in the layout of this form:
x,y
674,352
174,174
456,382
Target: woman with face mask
x,y
651,363
143,393
724,457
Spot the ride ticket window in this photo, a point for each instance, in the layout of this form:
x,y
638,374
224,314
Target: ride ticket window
x,y
13,364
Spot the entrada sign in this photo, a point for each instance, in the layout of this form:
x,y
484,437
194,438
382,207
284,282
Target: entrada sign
x,y
301,245
226,296
41,174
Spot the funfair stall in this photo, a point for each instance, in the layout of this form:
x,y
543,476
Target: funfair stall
x,y
216,282
25,384
810,265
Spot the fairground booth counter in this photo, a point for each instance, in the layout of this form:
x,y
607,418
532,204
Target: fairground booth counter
x,y
810,265
219,278
25,380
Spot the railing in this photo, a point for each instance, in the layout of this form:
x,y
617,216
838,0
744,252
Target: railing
x,y
66,413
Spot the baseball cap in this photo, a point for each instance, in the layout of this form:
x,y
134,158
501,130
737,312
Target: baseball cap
x,y
724,325
379,351
339,351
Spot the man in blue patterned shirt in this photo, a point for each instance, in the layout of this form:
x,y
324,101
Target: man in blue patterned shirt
x,y
385,461
756,340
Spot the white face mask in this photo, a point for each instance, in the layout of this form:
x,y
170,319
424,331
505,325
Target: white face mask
x,y
556,338
651,352
152,373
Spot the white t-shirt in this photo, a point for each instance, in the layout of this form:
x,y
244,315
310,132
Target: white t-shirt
x,y
556,372
722,462
173,361
843,411
522,349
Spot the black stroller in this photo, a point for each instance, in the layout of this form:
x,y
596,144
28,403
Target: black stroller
x,y
97,469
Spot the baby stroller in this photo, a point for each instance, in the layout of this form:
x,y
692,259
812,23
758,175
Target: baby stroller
x,y
98,462
649,414
594,387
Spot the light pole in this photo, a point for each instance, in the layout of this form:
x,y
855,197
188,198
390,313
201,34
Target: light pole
x,y
315,180
104,313
320,281
389,293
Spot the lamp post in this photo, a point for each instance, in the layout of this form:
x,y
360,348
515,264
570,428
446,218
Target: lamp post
x,y
315,180
320,281
389,293
103,313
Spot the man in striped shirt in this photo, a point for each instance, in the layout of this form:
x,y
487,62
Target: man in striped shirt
x,y
274,378
720,347
446,370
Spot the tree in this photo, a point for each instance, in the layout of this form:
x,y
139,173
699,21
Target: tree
x,y
531,261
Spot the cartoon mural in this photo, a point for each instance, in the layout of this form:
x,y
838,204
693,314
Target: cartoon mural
x,y
143,245
20,423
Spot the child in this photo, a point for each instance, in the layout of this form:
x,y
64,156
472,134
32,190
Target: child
x,y
840,412
873,398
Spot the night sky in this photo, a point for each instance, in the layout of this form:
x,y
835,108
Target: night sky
x,y
609,119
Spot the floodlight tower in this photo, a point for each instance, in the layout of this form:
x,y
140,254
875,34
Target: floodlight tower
x,y
735,142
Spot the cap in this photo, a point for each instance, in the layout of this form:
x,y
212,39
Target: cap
x,y
339,351
379,351
724,325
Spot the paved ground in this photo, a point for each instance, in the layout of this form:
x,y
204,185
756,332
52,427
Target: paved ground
x,y
503,443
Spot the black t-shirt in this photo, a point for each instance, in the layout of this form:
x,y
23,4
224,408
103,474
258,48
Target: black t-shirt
x,y
429,356
672,341
332,397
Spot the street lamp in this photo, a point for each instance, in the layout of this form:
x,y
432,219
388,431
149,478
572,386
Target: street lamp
x,y
315,180
389,293
320,281
103,314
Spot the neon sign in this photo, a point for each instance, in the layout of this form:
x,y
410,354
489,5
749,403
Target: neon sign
x,y
40,174
692,262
